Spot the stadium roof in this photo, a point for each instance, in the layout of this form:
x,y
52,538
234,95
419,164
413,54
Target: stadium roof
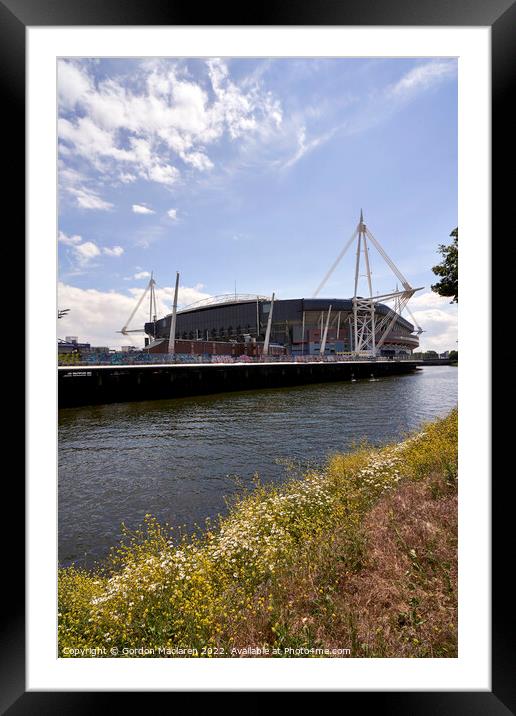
x,y
224,298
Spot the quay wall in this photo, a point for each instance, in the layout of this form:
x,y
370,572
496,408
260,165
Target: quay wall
x,y
437,361
93,385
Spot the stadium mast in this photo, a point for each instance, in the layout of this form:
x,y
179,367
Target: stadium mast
x,y
369,333
152,308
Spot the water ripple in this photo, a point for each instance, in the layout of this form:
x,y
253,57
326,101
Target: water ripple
x,y
178,459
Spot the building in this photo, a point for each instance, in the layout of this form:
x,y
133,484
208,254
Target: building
x,y
298,324
71,345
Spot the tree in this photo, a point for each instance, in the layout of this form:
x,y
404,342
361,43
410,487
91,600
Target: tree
x,y
448,269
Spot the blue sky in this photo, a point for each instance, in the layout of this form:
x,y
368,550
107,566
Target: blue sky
x,y
252,171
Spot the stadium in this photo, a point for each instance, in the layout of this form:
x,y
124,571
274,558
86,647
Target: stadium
x,y
251,324
297,326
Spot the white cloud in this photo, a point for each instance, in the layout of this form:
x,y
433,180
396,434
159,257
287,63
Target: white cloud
x,y
72,84
74,183
142,209
160,123
198,160
142,274
69,240
186,295
162,173
69,177
279,143
297,136
89,140
115,251
172,213
428,300
304,146
144,127
438,319
377,108
87,251
82,252
422,77
88,199
96,316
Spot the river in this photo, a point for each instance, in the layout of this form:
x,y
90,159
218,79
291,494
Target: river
x,y
179,459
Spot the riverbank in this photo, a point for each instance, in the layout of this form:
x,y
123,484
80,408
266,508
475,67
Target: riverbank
x,y
356,559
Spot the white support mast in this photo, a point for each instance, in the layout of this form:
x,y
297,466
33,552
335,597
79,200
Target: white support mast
x,y
325,334
268,331
419,330
155,314
153,310
369,330
172,336
151,297
125,330
335,264
363,308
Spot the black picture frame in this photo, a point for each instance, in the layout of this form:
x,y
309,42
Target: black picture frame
x,y
500,16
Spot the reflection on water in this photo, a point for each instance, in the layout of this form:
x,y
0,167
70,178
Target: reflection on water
x,y
179,459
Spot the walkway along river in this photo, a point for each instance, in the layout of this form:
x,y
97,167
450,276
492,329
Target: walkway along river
x,y
178,459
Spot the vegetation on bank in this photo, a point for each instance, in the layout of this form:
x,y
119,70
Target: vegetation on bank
x,y
360,555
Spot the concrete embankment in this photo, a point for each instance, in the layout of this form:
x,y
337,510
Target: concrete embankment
x,y
90,385
438,361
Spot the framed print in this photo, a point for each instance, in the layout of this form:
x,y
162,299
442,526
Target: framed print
x,y
259,465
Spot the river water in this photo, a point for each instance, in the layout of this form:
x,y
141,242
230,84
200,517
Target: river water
x,y
179,459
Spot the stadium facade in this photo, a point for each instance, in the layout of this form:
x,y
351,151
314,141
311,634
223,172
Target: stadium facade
x,y
297,324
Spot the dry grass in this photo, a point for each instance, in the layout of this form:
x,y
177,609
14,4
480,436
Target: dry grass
x,y
389,590
405,599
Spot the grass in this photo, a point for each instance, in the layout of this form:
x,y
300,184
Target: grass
x,y
360,555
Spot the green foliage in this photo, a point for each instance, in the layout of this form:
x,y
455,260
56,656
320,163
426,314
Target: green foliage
x,y
448,269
